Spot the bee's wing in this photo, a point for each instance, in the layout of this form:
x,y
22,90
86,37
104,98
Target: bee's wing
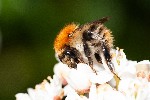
x,y
101,21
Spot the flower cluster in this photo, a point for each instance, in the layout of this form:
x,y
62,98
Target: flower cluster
x,y
131,81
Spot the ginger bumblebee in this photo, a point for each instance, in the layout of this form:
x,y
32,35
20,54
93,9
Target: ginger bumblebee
x,y
85,44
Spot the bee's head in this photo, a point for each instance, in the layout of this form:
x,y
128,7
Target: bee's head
x,y
62,38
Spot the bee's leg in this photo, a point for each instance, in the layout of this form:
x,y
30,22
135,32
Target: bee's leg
x,y
98,58
87,52
71,56
72,65
77,56
108,58
87,36
106,52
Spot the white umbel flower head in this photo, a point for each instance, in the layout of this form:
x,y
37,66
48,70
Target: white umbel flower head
x,y
22,96
130,82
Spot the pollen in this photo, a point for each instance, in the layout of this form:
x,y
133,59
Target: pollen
x,y
62,38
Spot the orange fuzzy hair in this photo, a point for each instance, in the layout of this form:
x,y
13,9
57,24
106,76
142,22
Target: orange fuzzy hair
x,y
62,38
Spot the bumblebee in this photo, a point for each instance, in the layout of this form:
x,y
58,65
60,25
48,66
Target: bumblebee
x,y
85,44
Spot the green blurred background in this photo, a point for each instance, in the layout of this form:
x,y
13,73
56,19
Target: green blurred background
x,y
28,29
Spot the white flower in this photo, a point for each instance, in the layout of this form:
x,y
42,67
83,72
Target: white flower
x,y
131,83
78,78
61,70
44,91
105,92
101,77
143,69
73,95
82,77
123,67
135,89
22,96
143,92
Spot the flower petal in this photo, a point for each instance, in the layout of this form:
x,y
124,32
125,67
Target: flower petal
x,y
101,77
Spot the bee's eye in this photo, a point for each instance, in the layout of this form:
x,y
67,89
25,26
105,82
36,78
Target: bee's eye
x,y
70,53
87,35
